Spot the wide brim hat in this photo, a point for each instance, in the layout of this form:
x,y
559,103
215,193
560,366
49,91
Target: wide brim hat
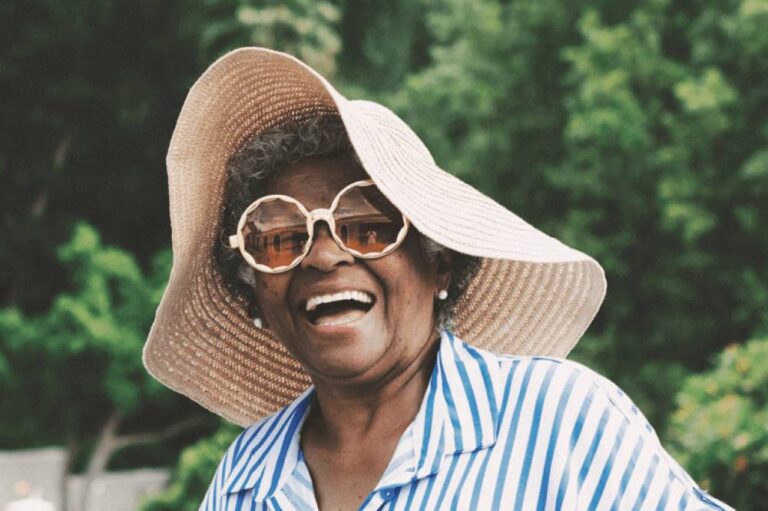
x,y
532,295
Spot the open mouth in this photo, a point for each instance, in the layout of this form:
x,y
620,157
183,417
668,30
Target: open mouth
x,y
338,308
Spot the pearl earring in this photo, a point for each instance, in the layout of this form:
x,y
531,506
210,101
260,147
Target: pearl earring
x,y
442,294
257,323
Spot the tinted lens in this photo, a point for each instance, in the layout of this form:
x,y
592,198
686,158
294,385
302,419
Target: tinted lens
x,y
366,221
275,233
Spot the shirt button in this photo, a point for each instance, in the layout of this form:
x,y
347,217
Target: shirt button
x,y
387,494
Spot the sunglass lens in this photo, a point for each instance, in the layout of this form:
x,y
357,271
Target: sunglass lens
x,y
366,221
275,233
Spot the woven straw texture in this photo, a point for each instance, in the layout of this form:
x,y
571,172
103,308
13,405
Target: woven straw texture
x,y
532,295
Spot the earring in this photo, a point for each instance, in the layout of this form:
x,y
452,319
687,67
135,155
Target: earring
x,y
258,323
442,294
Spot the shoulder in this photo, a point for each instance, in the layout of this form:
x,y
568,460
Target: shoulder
x,y
237,453
255,449
563,378
271,432
252,436
552,377
586,435
559,395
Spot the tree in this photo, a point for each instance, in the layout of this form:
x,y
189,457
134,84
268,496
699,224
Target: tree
x,y
81,360
304,28
90,92
382,42
658,146
718,430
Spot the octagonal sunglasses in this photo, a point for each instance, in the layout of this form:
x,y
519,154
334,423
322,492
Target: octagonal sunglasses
x,y
275,233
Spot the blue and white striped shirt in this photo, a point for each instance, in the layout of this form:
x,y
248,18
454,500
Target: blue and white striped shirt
x,y
493,432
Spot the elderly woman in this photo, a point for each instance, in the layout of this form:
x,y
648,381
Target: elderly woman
x,y
325,273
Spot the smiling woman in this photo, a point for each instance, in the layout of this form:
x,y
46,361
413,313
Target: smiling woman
x,y
325,271
339,338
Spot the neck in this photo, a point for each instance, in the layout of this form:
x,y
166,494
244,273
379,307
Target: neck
x,y
344,416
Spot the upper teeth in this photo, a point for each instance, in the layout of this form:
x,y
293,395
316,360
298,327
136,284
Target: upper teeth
x,y
359,296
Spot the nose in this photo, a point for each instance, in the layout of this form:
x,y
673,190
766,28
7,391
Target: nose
x,y
325,254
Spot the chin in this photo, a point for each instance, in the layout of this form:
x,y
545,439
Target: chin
x,y
346,359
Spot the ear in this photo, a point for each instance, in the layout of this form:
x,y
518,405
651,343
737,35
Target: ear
x,y
444,268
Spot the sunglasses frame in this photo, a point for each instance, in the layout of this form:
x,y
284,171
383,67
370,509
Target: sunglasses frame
x,y
237,241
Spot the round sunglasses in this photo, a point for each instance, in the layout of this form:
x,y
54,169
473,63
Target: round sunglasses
x,y
275,233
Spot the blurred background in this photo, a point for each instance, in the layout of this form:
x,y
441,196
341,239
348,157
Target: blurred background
x,y
636,131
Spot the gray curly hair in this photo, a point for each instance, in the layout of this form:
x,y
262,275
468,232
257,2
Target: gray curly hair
x,y
259,160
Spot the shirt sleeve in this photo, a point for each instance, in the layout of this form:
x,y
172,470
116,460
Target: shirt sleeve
x,y
626,465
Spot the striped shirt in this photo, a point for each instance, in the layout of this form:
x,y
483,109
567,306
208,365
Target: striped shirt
x,y
493,432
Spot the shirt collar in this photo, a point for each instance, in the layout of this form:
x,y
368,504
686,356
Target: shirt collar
x,y
459,413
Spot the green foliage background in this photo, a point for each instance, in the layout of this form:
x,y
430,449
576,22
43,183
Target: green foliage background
x,y
635,131
718,430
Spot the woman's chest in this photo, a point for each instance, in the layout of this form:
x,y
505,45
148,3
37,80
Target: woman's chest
x,y
345,479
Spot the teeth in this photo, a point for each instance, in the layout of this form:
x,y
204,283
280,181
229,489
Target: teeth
x,y
358,296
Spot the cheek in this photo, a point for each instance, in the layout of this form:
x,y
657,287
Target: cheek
x,y
270,293
265,287
413,287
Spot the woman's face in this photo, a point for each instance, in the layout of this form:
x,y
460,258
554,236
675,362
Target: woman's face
x,y
348,341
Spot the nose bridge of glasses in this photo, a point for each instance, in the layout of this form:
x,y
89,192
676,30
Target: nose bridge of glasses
x,y
325,250
321,214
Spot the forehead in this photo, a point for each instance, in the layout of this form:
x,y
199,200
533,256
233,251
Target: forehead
x,y
316,180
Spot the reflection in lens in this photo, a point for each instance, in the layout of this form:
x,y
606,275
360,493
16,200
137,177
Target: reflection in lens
x,y
275,233
366,221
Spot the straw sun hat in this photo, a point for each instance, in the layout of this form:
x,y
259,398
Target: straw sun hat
x,y
532,294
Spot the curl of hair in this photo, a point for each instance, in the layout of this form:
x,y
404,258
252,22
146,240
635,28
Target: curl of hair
x,y
255,164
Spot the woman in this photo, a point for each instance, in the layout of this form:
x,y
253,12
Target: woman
x,y
325,272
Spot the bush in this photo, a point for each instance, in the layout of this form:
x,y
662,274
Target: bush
x,y
719,431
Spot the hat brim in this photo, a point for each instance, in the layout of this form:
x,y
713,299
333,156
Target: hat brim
x,y
533,295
